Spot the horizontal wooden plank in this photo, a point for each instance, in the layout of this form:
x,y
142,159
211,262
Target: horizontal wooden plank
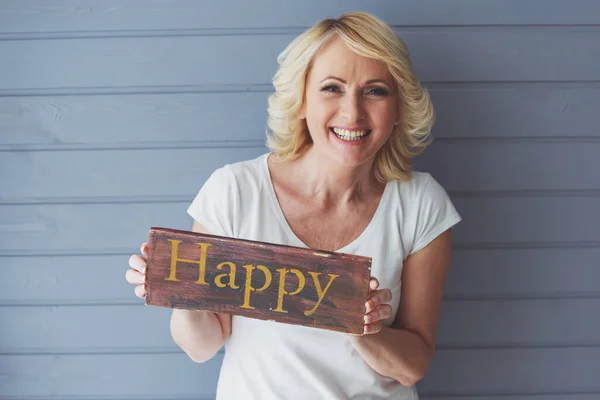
x,y
131,119
468,324
513,165
506,110
506,273
255,280
458,166
508,221
180,172
89,15
475,274
506,371
100,376
522,323
439,54
453,372
91,227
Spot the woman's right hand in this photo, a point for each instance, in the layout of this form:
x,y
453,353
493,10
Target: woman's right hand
x,y
136,275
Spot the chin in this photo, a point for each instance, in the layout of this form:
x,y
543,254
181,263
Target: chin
x,y
354,152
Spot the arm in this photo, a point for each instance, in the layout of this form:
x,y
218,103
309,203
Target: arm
x,y
200,333
404,350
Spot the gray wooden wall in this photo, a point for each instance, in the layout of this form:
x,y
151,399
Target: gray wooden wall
x,y
114,112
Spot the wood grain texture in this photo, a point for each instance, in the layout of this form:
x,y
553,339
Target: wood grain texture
x,y
463,324
458,166
463,111
505,371
496,221
117,376
439,55
291,285
109,15
453,372
474,274
139,81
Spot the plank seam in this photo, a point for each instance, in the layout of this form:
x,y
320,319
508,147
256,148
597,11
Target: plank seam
x,y
261,88
168,350
453,298
209,144
472,194
424,395
457,246
268,31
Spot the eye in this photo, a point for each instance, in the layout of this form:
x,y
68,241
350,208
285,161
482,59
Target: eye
x,y
331,89
378,91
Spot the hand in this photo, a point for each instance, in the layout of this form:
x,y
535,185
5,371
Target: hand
x,y
376,309
137,274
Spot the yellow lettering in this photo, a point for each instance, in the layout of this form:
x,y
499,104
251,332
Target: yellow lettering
x,y
320,293
174,259
282,292
231,274
248,288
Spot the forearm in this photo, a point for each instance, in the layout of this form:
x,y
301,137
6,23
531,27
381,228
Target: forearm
x,y
396,353
198,333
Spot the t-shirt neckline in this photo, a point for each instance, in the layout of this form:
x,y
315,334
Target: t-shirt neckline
x,y
281,217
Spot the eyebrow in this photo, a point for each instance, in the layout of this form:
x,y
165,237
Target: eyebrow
x,y
370,81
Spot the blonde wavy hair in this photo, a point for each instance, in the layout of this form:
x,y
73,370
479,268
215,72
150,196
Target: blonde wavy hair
x,y
369,37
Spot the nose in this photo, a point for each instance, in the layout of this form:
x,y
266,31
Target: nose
x,y
352,108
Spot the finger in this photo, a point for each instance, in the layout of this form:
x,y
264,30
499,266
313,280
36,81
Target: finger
x,y
138,263
380,313
140,291
134,277
144,249
373,328
379,297
373,283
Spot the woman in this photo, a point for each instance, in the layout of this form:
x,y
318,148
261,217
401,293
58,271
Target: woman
x,y
347,116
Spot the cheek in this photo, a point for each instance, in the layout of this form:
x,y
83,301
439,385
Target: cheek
x,y
318,112
385,117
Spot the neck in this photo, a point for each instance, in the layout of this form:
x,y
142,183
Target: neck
x,y
332,183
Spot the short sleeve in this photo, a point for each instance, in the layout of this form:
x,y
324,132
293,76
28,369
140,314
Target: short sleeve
x,y
436,214
215,204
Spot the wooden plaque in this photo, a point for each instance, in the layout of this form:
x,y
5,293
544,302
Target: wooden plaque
x,y
260,280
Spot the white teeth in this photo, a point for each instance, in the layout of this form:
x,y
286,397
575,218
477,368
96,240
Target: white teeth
x,y
349,135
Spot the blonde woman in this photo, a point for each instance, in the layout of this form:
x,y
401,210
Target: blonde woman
x,y
347,117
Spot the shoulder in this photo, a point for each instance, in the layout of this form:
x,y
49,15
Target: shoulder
x,y
247,170
427,208
218,204
238,175
418,186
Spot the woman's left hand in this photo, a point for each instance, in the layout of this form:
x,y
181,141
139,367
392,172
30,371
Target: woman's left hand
x,y
376,307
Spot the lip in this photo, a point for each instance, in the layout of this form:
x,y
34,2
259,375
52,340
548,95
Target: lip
x,y
350,128
350,142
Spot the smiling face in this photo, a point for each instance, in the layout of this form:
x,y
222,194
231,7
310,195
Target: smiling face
x,y
350,106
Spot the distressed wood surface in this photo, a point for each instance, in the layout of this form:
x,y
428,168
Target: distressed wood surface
x,y
475,274
483,323
439,55
259,280
92,119
499,222
31,16
565,165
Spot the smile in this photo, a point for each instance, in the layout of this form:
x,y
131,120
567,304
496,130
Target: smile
x,y
345,134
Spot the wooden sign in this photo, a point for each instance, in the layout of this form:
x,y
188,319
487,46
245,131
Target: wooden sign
x,y
266,281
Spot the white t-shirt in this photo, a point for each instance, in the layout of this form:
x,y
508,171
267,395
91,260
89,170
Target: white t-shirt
x,y
270,360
